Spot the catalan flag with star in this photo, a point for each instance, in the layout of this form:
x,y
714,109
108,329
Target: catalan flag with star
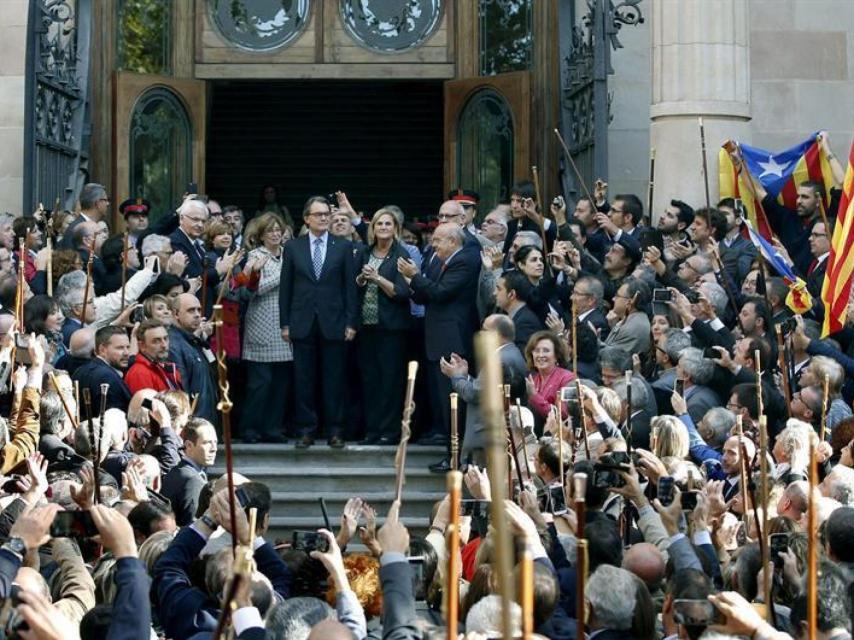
x,y
780,174
840,264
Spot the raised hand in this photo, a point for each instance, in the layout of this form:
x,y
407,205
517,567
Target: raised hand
x,y
349,521
393,537
116,531
84,495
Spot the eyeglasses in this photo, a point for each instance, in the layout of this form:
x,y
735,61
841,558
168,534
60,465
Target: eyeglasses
x,y
581,293
447,216
196,220
320,214
733,407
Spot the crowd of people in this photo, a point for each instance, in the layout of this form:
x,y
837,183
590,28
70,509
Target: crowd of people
x,y
650,351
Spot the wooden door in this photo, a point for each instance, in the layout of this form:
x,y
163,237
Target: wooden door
x,y
158,139
488,134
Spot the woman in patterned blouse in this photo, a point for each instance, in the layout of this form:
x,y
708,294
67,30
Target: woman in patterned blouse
x,y
381,341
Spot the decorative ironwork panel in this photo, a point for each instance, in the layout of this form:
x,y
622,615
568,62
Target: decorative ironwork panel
x,y
485,147
161,144
259,25
506,36
390,26
586,106
56,133
144,39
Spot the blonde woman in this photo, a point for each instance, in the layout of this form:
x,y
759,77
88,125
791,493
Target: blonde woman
x,y
671,437
269,359
385,317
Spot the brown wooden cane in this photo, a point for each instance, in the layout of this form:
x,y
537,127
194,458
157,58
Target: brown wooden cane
x,y
452,533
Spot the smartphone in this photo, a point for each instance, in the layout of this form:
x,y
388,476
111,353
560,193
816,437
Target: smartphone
x,y
557,500
666,491
22,346
137,315
679,386
566,394
73,524
693,296
779,544
739,208
558,201
696,613
146,403
192,188
242,497
788,325
689,500
309,541
474,508
650,237
711,353
662,295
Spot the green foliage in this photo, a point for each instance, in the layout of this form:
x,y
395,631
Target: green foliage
x,y
145,36
506,38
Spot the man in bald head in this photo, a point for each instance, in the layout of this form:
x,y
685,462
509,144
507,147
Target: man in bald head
x,y
81,347
647,563
189,350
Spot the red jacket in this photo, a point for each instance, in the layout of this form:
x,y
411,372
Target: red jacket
x,y
145,374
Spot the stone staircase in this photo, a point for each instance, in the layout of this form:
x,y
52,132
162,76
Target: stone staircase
x,y
298,478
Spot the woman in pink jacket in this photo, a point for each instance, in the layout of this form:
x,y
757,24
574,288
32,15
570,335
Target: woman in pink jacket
x,y
547,358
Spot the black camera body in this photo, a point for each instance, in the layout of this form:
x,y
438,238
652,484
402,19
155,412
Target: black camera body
x,y
606,472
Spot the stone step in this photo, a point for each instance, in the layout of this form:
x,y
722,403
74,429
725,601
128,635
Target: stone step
x,y
323,455
322,480
282,527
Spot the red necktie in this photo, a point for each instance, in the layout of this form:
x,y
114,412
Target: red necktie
x,y
813,265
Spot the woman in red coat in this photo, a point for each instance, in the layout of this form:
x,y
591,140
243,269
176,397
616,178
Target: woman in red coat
x,y
547,358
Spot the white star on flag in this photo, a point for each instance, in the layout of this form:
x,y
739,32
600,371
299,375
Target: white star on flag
x,y
772,168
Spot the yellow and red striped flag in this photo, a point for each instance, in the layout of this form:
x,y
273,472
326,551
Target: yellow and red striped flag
x,y
837,280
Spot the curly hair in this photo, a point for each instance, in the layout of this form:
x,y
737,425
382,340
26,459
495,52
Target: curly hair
x,y
363,573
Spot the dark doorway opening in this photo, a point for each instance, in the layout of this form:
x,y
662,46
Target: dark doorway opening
x,y
379,141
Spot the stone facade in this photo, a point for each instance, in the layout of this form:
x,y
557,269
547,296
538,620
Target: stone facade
x,y
13,39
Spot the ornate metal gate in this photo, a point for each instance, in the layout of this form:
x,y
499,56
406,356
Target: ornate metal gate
x,y
56,124
585,49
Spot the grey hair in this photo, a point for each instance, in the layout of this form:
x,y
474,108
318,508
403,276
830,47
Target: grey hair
x,y
154,243
704,264
458,234
720,420
717,296
675,341
529,238
795,441
597,289
485,617
6,218
615,358
189,205
612,593
71,291
695,365
501,213
639,395
90,194
397,212
293,618
841,485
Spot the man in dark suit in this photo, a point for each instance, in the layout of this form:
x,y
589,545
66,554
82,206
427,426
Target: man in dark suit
x,y
318,313
449,293
623,217
183,484
514,371
192,355
525,216
511,291
94,207
187,238
587,295
820,250
112,349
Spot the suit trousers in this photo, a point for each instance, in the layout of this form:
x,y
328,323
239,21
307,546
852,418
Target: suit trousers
x,y
319,362
382,365
439,388
268,393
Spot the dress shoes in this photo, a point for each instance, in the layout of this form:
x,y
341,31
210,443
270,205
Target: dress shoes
x,y
336,442
304,442
274,438
435,439
441,467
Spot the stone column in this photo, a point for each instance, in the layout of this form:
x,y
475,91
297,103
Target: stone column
x,y
700,68
13,51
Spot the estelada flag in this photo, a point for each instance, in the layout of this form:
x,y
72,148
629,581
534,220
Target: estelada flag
x,y
780,174
837,280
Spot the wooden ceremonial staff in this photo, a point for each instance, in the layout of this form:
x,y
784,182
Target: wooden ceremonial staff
x,y
526,593
455,435
536,179
452,533
125,267
19,294
242,570
49,245
561,471
812,549
77,399
224,406
514,452
574,334
651,188
767,585
580,488
575,170
822,433
490,404
52,376
627,505
504,390
88,284
742,451
405,431
725,280
204,299
705,161
784,367
105,389
524,444
756,363
87,400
